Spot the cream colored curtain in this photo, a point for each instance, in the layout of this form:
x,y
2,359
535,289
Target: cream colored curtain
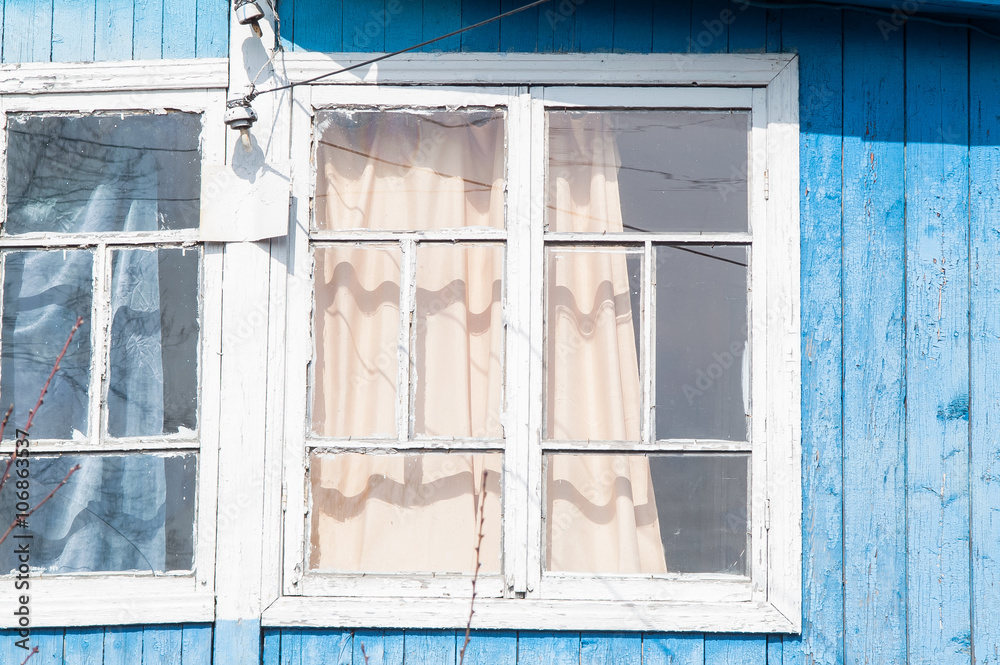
x,y
406,171
601,512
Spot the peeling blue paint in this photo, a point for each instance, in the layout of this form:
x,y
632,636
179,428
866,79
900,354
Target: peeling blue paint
x,y
957,409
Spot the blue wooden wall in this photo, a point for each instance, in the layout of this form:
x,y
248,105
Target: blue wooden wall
x,y
188,644
900,213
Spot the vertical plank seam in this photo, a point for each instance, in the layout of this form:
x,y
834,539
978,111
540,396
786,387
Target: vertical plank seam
x,y
968,323
843,358
906,359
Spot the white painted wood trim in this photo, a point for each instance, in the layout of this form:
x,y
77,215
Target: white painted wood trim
x,y
156,101
659,97
409,96
400,585
115,76
515,614
700,69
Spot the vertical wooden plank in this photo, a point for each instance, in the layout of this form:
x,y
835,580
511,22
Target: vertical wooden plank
x,y
364,25
27,31
633,27
327,647
984,354
319,25
406,27
196,644
557,26
487,38
122,645
271,655
113,26
816,36
518,33
73,31
747,27
735,649
489,647
291,647
775,19
671,26
673,649
595,20
180,28
212,34
937,345
610,648
440,18
83,646
161,645
50,646
286,10
9,651
369,647
147,30
430,647
710,20
775,650
561,648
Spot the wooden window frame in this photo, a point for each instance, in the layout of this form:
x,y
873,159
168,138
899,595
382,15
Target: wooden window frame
x,y
126,597
765,85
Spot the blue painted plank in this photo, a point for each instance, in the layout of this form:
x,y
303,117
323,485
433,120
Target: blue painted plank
x,y
937,343
291,647
271,653
489,647
430,647
406,28
73,31
365,22
557,26
518,33
27,31
122,645
147,30
775,650
710,21
548,648
113,25
633,27
286,10
775,18
9,651
440,18
236,640
487,38
595,20
816,36
327,647
161,645
747,27
735,649
212,34
83,646
319,25
50,646
984,353
610,648
673,649
180,28
671,26
196,644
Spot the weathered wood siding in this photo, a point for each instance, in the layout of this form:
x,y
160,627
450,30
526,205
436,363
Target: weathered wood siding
x,y
900,213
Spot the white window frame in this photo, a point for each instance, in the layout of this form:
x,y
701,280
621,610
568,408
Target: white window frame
x,y
196,86
767,86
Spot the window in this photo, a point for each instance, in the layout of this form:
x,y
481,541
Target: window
x,y
100,222
565,308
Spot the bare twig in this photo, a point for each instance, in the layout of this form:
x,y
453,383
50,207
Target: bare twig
x,y
13,454
475,575
33,652
41,503
55,368
363,653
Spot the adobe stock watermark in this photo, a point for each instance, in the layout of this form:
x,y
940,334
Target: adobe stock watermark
x,y
715,28
23,539
380,20
901,13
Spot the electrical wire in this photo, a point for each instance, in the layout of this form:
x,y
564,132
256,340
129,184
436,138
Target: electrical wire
x,y
253,94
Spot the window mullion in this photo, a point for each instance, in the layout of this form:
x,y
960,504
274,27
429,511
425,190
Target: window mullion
x,y
99,325
648,345
406,376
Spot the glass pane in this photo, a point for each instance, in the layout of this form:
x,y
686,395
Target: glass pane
x,y
458,341
357,340
649,514
86,174
404,513
612,171
592,368
153,372
43,294
117,512
408,170
702,371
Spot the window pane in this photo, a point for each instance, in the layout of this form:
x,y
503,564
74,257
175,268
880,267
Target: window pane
x,y
408,170
118,512
153,373
702,376
592,368
86,174
649,514
404,513
357,340
458,340
43,294
647,171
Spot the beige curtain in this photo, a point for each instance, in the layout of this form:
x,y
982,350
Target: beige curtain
x,y
601,512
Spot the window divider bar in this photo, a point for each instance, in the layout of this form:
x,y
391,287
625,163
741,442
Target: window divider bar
x,y
665,445
444,235
643,238
406,378
99,334
647,345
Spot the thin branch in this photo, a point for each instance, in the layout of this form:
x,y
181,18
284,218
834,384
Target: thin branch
x,y
13,453
475,575
363,653
55,368
33,652
41,503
